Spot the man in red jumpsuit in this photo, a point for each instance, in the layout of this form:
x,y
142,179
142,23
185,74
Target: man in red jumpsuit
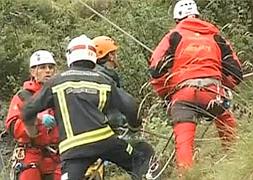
x,y
35,158
193,68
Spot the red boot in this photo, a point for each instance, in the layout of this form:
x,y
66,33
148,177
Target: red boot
x,y
184,139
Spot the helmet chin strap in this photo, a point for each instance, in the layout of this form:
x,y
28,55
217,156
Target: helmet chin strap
x,y
34,78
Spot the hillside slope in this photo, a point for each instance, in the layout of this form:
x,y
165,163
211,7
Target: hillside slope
x,y
30,25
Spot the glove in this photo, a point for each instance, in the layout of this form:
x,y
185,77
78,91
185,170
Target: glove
x,y
116,120
48,121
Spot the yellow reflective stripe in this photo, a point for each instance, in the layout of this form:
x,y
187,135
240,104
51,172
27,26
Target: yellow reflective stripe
x,y
85,138
59,90
65,113
80,84
129,149
102,88
102,99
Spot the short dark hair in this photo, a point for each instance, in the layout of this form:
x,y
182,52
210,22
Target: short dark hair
x,y
103,60
85,64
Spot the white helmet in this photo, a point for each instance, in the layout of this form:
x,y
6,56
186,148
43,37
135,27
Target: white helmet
x,y
41,57
184,8
81,48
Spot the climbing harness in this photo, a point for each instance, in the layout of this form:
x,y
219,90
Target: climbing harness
x,y
96,170
131,36
52,149
17,166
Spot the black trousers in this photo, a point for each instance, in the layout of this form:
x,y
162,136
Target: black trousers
x,y
132,158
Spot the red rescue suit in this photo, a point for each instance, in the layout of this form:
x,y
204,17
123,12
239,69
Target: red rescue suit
x,y
189,68
33,151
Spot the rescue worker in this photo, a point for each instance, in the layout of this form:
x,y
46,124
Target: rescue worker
x,y
35,158
81,97
107,63
193,68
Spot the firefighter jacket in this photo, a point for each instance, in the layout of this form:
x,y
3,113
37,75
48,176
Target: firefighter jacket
x,y
109,73
81,97
193,49
15,125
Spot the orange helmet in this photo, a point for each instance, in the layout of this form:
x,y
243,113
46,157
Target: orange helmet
x,y
104,45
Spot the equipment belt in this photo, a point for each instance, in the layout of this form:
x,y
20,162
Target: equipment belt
x,y
200,83
30,145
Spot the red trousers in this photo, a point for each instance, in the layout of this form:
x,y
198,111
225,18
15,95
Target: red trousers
x,y
184,127
47,167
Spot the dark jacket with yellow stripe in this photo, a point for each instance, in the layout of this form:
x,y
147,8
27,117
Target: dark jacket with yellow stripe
x,y
81,97
109,73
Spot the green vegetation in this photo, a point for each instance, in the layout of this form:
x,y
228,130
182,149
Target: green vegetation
x,y
28,25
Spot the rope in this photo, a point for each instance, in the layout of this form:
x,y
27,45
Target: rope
x,y
116,26
153,166
248,75
150,177
129,35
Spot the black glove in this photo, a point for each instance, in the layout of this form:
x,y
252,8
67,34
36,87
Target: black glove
x,y
162,68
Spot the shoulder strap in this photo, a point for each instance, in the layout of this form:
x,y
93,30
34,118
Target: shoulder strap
x,y
25,94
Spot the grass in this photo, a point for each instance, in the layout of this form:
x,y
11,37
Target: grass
x,y
212,162
216,164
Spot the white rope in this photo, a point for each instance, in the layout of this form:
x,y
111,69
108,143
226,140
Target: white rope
x,y
248,75
129,35
149,174
116,26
